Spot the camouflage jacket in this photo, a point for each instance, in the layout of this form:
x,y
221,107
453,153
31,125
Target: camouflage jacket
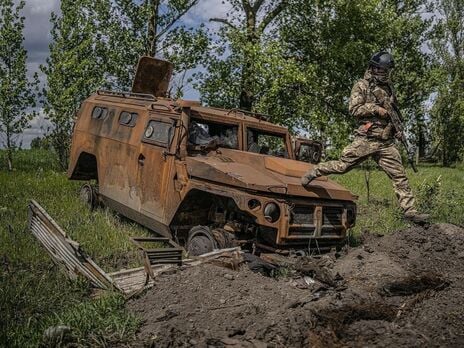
x,y
365,100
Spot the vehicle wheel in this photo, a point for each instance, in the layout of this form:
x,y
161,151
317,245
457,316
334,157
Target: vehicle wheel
x,y
200,241
88,195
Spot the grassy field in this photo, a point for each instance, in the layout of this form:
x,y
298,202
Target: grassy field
x,y
439,191
35,296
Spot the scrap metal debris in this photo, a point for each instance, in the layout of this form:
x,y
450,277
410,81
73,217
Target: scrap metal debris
x,y
68,253
63,250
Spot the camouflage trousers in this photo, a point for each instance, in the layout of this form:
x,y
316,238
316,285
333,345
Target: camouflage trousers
x,y
385,154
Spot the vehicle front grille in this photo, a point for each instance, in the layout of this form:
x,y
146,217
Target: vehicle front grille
x,y
303,222
302,215
332,216
301,231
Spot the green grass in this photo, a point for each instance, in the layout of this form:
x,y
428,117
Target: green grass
x,y
33,293
439,191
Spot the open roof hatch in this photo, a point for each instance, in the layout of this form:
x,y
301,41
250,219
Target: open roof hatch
x,y
152,76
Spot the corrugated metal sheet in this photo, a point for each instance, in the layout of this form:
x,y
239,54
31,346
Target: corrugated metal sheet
x,y
63,250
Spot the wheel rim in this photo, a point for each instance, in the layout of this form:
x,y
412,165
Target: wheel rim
x,y
86,195
199,245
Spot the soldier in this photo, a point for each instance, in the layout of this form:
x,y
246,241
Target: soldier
x,y
375,135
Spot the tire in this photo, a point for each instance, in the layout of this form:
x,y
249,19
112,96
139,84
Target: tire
x,y
88,195
200,241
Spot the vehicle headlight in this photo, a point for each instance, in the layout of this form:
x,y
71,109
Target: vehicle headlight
x,y
254,204
271,212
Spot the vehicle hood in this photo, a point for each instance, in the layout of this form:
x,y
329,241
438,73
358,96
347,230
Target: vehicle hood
x,y
262,173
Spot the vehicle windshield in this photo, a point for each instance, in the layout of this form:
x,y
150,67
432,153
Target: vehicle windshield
x,y
266,143
204,133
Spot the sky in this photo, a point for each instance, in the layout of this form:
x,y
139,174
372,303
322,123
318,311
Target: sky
x,y
37,38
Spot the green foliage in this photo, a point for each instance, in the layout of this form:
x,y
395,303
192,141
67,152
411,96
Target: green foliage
x,y
153,28
241,55
41,143
447,113
99,323
34,293
304,65
382,214
77,65
428,195
16,92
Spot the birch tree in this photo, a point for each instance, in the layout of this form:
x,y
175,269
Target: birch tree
x,y
78,64
16,92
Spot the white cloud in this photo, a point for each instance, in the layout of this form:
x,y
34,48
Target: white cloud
x,y
204,10
42,6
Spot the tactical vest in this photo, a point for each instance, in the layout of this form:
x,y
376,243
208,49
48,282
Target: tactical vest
x,y
375,94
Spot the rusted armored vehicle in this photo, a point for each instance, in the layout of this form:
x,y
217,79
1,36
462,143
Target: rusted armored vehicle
x,y
205,177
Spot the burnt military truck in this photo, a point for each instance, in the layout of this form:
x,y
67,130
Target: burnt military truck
x,y
205,177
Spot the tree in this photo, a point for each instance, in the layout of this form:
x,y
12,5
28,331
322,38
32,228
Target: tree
x,y
244,35
77,65
153,28
447,113
96,44
333,41
302,67
16,92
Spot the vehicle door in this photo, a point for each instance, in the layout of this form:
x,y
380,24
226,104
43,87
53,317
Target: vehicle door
x,y
155,162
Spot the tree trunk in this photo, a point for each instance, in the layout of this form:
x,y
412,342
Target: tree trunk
x,y
367,180
152,28
246,89
9,150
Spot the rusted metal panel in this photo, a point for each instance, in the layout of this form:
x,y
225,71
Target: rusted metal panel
x,y
152,76
63,250
132,281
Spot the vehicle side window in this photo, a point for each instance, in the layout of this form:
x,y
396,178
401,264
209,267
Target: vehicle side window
x,y
204,132
158,133
266,143
99,112
128,118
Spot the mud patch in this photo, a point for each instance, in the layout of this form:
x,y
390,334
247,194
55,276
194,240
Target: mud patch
x,y
414,285
402,290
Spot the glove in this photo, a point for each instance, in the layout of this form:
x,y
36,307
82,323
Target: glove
x,y
383,113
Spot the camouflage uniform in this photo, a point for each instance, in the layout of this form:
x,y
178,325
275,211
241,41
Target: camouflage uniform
x,y
371,139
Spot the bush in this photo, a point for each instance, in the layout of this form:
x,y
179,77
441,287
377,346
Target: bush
x,y
429,195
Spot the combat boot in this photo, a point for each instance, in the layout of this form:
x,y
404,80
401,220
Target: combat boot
x,y
417,218
308,177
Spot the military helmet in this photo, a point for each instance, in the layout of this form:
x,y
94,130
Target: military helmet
x,y
383,60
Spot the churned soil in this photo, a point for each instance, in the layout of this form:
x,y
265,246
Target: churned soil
x,y
405,289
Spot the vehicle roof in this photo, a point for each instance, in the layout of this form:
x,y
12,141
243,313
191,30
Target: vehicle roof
x,y
175,106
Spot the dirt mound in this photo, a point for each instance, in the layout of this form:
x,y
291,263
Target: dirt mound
x,y
404,289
